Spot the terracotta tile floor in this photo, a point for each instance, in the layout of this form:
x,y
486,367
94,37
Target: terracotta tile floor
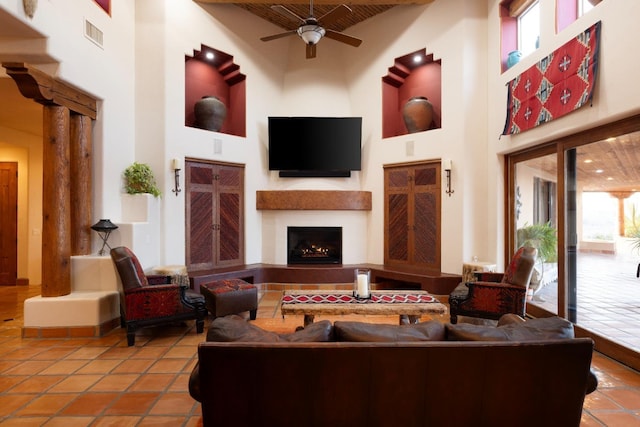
x,y
102,382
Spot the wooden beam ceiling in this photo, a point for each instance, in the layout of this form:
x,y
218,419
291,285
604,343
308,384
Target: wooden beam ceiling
x,y
361,10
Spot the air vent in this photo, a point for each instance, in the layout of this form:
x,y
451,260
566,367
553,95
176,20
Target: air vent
x,y
93,33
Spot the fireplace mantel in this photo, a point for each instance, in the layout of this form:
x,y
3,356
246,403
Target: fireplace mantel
x,y
313,200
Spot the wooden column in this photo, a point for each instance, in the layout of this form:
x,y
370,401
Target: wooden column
x,y
56,214
621,195
81,184
65,231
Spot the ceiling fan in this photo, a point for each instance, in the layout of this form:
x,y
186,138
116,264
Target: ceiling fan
x,y
311,30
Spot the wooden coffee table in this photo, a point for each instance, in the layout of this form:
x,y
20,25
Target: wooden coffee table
x,y
409,305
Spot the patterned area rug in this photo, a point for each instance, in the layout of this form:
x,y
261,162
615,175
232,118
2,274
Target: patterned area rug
x,y
329,298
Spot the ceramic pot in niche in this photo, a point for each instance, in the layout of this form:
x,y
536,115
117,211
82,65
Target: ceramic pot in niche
x,y
210,113
417,114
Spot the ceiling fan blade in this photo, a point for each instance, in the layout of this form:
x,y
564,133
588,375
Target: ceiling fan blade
x,y
334,14
343,38
311,51
286,12
278,36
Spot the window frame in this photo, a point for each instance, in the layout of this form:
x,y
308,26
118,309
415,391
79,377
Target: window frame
x,y
520,24
509,11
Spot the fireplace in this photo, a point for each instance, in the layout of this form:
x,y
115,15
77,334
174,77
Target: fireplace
x,y
314,245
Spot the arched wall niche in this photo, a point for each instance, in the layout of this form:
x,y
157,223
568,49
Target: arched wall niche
x,y
407,78
218,76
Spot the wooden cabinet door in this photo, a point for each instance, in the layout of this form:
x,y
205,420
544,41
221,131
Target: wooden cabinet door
x,y
214,215
396,210
200,216
230,219
426,216
412,215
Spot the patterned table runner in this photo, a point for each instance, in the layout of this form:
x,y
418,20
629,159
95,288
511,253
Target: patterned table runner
x,y
329,298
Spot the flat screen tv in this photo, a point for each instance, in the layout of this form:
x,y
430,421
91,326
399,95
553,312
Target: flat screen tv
x,y
315,146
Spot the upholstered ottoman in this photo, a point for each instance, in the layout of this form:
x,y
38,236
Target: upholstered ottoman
x,y
230,296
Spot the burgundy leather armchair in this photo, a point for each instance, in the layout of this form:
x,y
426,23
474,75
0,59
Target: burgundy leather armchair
x,y
495,294
153,300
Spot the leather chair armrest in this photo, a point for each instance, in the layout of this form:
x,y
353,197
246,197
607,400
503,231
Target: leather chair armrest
x,y
159,288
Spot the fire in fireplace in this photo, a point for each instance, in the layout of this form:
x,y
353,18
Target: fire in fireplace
x,y
314,245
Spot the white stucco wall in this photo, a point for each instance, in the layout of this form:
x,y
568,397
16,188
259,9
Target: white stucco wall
x,y
139,76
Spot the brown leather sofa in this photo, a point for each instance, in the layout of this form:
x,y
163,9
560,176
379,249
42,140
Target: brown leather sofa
x,y
532,373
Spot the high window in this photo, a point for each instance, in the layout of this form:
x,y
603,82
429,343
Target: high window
x,y
520,28
520,24
585,6
529,29
567,11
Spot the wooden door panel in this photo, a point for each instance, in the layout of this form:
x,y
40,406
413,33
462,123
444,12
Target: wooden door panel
x,y
230,215
398,224
8,223
200,174
229,247
200,216
201,230
426,176
229,178
398,179
426,216
426,231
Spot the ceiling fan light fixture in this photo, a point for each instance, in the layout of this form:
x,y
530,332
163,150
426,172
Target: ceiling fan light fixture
x,y
311,33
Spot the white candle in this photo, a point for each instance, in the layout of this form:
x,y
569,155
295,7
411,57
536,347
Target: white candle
x,y
363,286
175,164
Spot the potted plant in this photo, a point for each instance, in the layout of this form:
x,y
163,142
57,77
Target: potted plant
x,y
543,237
139,179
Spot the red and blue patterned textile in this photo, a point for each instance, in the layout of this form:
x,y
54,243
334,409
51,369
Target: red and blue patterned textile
x,y
227,285
558,84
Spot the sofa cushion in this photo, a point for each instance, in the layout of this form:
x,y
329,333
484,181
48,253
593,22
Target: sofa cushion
x,y
372,332
509,329
236,328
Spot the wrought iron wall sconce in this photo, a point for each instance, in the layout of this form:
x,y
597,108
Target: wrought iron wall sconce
x,y
176,166
104,227
447,170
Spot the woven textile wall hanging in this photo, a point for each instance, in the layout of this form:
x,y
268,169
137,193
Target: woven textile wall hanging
x,y
557,85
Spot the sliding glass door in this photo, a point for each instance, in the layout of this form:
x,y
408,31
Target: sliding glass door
x,y
578,200
602,231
